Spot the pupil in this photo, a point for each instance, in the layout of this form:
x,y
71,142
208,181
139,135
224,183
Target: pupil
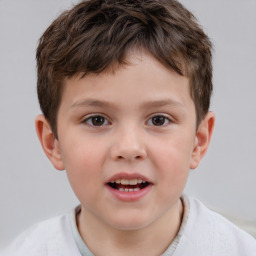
x,y
98,120
158,120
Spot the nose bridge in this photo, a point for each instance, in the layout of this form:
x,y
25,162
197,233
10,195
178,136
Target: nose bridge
x,y
129,143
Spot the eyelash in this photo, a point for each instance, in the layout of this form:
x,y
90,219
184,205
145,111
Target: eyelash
x,y
89,120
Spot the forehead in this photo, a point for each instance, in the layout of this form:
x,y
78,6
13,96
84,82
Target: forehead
x,y
142,79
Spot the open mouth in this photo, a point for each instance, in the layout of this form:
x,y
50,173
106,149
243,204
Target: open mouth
x,y
125,185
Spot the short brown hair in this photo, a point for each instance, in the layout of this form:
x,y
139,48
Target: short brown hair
x,y
95,34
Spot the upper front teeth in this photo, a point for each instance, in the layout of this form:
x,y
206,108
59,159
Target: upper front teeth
x,y
128,182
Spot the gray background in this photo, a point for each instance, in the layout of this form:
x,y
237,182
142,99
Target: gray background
x,y
31,190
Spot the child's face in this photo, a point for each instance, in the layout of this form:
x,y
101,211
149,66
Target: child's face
x,y
138,125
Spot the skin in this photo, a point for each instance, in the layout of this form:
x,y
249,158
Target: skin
x,y
128,141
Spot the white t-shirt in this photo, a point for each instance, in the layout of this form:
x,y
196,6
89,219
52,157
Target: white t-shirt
x,y
202,233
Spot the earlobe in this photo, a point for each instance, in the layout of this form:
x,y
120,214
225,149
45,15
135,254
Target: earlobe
x,y
48,142
202,139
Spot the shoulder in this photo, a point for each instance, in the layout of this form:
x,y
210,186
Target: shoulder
x,y
47,238
208,233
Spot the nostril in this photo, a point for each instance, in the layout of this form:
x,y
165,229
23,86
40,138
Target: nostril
x,y
136,157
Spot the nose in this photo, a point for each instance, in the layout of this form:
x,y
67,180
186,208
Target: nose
x,y
128,145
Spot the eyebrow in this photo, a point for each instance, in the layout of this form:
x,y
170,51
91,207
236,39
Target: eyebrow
x,y
162,103
106,104
92,102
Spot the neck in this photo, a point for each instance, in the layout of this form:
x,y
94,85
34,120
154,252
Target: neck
x,y
153,239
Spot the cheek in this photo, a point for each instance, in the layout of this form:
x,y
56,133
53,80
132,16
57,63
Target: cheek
x,y
83,164
81,154
172,161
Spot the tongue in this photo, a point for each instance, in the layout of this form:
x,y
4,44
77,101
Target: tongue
x,y
118,186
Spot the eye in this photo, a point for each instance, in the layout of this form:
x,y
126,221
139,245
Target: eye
x,y
96,120
158,120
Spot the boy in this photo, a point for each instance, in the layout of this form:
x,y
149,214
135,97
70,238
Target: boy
x,y
124,87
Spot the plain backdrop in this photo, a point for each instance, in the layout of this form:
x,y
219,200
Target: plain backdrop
x,y
31,190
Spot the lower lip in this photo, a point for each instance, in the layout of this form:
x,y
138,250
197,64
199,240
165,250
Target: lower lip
x,y
129,196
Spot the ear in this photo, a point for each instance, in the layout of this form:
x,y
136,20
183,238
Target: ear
x,y
48,142
202,139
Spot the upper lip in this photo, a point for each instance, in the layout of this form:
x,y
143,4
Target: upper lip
x,y
128,176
